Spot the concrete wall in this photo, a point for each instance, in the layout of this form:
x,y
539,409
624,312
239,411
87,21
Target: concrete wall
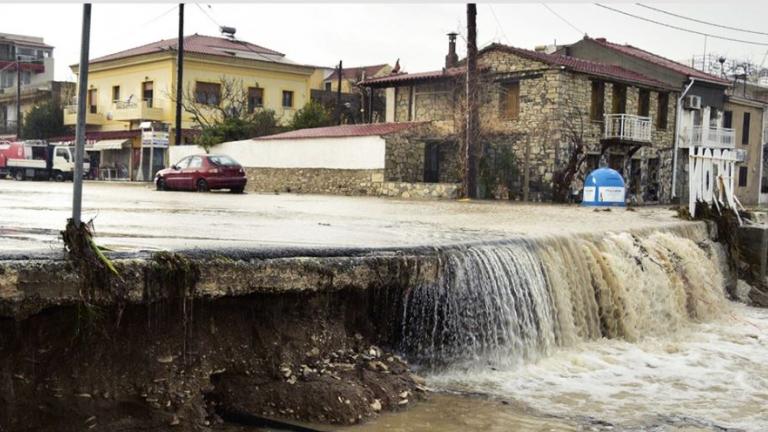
x,y
354,153
749,194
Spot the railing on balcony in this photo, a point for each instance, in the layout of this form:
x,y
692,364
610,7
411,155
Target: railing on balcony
x,y
92,116
628,127
137,110
713,137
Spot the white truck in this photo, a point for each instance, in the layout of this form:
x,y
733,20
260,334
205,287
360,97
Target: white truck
x,y
38,160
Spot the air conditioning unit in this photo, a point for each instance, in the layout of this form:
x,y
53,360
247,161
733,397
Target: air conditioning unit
x,y
692,102
741,155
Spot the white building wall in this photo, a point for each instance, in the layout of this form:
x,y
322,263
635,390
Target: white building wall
x,y
335,153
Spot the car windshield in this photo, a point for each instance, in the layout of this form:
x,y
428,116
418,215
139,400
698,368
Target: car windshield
x,y
222,160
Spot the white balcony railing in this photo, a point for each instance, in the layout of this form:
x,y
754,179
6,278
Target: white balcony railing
x,y
713,137
628,127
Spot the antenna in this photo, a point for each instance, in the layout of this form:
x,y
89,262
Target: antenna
x,y
228,32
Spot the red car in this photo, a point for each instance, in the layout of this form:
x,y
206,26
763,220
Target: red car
x,y
203,173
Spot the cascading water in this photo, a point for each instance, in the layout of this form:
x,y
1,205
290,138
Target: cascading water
x,y
632,329
508,302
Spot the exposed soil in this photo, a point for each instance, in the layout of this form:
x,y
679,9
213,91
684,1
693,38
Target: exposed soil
x,y
182,365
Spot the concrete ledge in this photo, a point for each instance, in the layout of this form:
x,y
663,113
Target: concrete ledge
x,y
30,286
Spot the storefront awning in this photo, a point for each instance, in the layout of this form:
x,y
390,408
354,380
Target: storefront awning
x,y
113,144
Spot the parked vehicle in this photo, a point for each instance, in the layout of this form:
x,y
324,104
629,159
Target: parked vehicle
x,y
203,173
37,159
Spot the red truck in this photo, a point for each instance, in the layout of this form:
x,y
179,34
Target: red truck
x,y
36,159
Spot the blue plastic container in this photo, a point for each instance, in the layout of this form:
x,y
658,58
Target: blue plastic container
x,y
604,187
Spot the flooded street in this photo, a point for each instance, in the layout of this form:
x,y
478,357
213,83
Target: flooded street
x,y
709,376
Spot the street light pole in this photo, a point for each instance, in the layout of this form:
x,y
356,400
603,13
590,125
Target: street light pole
x,y
82,89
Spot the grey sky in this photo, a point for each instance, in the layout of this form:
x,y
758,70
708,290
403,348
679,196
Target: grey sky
x,y
360,34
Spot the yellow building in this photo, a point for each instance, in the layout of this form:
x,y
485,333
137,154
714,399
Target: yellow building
x,y
130,88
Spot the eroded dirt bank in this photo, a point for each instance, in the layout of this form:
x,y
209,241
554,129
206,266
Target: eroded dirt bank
x,y
182,364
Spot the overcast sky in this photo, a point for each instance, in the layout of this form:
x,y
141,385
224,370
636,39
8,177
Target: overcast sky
x,y
359,34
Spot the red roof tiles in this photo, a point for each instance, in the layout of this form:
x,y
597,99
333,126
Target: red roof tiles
x,y
589,67
410,77
660,61
195,44
571,63
372,129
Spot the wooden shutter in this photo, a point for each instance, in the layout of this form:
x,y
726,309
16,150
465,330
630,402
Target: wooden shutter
x,y
510,101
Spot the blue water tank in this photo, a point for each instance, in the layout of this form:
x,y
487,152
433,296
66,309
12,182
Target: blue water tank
x,y
604,187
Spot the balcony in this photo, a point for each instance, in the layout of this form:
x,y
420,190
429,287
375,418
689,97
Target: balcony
x,y
627,128
136,110
70,116
709,137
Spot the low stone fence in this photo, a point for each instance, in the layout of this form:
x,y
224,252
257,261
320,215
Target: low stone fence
x,y
315,180
343,182
419,190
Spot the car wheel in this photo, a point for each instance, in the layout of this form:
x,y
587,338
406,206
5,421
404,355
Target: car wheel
x,y
58,176
19,175
237,190
202,185
161,186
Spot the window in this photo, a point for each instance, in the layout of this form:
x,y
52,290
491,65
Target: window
x,y
661,111
728,119
255,98
328,86
432,162
222,160
287,99
619,100
183,163
92,97
196,162
62,152
743,171
644,103
147,93
26,77
207,93
510,101
593,162
745,129
597,109
115,93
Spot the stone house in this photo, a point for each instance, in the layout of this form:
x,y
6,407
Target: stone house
x,y
539,111
701,118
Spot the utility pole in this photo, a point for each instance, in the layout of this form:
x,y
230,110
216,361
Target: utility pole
x,y
470,156
179,74
337,114
18,97
82,89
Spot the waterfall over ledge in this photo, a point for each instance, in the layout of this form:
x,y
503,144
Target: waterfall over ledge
x,y
505,303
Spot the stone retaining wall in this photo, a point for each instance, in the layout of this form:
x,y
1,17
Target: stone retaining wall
x,y
420,190
314,180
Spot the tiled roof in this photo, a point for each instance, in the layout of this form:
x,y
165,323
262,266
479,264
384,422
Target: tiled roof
x,y
371,129
196,44
660,61
24,41
399,78
355,73
571,63
584,66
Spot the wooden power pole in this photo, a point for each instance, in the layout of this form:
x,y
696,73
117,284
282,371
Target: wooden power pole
x,y
337,112
471,145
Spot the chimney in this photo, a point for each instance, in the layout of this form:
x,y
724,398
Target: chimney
x,y
451,60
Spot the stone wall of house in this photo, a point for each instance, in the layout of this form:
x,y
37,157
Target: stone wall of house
x,y
405,154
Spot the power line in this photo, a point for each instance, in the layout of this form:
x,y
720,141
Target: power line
x,y
681,28
207,15
562,19
701,21
498,24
